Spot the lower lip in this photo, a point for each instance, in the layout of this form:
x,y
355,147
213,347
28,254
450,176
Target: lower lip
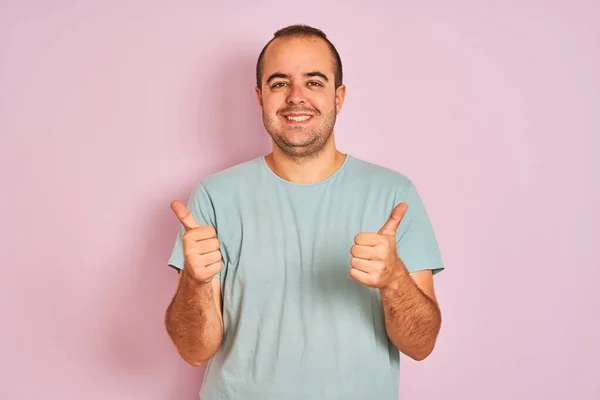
x,y
292,122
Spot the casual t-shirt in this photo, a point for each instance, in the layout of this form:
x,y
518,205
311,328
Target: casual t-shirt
x,y
296,325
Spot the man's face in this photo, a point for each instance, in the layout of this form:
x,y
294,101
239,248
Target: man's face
x,y
298,97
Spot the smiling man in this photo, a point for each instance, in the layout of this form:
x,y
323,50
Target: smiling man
x,y
304,273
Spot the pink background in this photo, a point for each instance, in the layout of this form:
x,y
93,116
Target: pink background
x,y
109,110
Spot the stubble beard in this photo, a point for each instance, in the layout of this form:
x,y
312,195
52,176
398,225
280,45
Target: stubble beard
x,y
319,136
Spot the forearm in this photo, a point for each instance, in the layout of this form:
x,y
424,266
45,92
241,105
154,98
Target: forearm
x,y
193,321
412,319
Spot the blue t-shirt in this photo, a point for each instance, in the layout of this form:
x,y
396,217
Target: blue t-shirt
x,y
296,325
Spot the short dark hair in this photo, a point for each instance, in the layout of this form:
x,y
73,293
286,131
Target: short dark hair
x,y
302,31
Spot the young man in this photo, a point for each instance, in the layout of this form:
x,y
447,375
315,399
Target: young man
x,y
305,272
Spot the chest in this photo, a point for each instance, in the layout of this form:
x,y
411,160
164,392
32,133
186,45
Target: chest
x,y
294,241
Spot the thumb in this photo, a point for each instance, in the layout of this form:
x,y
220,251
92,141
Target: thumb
x,y
391,225
184,215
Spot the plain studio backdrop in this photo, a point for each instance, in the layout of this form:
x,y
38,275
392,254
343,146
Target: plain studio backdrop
x,y
110,110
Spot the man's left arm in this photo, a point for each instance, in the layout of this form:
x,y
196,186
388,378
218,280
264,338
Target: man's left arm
x,y
412,315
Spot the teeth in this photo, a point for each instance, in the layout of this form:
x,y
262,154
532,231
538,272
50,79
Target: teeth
x,y
298,119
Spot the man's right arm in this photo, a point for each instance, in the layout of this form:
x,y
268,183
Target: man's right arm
x,y
194,319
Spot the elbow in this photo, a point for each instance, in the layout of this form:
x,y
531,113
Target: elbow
x,y
419,353
195,360
198,357
423,348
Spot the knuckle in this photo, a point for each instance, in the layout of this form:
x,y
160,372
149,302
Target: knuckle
x,y
375,266
204,259
209,231
214,269
211,258
208,245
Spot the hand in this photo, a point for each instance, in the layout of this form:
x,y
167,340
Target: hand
x,y
375,262
202,257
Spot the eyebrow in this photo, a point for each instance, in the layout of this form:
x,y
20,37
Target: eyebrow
x,y
307,75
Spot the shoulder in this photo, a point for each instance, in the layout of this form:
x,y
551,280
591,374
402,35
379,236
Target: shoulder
x,y
380,175
229,178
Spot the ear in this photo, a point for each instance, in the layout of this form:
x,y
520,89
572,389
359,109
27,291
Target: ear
x,y
340,95
259,96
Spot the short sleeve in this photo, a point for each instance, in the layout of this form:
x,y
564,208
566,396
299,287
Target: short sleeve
x,y
416,241
202,209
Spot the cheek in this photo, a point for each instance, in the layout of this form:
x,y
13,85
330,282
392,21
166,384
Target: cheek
x,y
272,104
328,100
320,101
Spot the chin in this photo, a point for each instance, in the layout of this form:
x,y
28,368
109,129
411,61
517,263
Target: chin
x,y
300,149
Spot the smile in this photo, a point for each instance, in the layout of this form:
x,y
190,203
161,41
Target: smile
x,y
298,118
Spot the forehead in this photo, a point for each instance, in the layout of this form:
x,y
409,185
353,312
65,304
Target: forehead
x,y
297,55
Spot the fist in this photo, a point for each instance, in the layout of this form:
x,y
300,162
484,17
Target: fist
x,y
202,257
375,262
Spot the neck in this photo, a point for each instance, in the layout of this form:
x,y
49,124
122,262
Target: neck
x,y
305,170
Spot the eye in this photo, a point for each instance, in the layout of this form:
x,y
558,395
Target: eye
x,y
314,83
277,85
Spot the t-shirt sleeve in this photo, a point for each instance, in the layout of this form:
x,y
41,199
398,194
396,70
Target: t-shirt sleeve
x,y
202,209
416,241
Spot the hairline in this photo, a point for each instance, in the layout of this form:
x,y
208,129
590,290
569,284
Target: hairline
x,y
299,35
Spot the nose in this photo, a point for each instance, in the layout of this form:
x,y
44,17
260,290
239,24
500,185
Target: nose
x,y
296,94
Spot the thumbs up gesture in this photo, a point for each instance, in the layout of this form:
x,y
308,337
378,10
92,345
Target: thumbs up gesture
x,y
375,262
202,257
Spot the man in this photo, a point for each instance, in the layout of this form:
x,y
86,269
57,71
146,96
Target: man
x,y
305,272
